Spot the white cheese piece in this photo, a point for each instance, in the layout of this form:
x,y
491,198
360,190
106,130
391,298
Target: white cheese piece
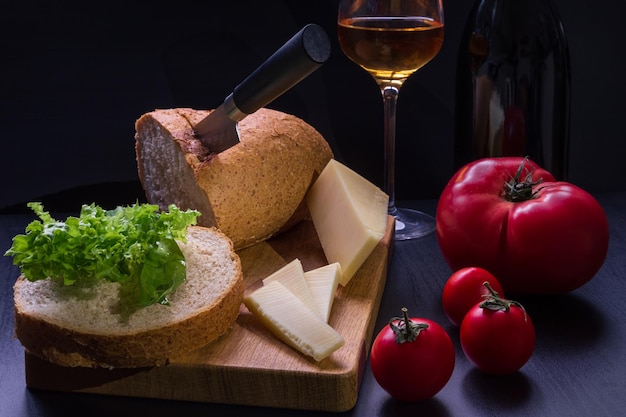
x,y
286,316
323,282
349,214
292,277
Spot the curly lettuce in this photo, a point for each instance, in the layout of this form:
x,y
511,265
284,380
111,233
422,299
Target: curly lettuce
x,y
133,245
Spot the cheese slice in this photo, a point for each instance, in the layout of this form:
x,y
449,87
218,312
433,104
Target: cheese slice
x,y
292,277
349,214
322,283
286,316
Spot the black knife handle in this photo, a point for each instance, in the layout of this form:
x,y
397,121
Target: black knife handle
x,y
306,51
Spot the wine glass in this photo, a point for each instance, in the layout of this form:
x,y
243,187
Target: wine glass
x,y
392,39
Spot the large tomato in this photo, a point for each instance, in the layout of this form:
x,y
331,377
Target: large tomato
x,y
512,218
412,359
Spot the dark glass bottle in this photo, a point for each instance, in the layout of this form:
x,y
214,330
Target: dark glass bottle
x,y
513,84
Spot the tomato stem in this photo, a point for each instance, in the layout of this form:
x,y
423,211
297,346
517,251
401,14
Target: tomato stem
x,y
405,329
518,189
493,301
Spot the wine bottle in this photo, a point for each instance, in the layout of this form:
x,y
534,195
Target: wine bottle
x,y
513,84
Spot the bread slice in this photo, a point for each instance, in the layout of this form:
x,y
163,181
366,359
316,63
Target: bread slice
x,y
79,327
250,191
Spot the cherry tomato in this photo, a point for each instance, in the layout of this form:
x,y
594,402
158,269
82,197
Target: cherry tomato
x,y
498,336
512,218
464,289
412,359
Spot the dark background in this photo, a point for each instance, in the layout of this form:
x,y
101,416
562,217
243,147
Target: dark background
x,y
75,77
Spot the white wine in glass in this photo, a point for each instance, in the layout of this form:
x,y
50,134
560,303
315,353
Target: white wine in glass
x,y
392,39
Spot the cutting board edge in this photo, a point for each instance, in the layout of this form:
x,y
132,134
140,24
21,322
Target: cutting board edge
x,y
236,387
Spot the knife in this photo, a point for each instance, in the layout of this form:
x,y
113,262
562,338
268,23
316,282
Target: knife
x,y
306,51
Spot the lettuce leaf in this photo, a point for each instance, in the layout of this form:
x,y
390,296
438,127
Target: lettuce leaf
x,y
133,245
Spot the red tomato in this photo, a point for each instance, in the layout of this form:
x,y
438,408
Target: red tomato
x,y
498,336
548,238
464,289
414,362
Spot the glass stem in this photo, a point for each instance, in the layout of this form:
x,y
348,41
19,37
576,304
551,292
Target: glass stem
x,y
390,100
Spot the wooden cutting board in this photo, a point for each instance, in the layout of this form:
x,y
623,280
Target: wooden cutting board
x,y
248,365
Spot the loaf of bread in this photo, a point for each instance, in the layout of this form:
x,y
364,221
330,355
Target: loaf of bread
x,y
72,326
250,191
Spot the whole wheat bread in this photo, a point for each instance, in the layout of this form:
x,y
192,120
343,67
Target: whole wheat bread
x,y
250,191
72,327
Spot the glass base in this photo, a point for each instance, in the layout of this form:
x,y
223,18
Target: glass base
x,y
412,224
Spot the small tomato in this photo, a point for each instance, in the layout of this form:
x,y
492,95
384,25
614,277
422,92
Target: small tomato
x,y
497,335
412,359
464,289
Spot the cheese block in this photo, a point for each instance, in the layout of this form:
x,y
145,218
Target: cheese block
x,y
349,214
322,283
292,277
286,316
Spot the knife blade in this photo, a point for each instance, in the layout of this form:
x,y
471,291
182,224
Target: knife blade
x,y
305,52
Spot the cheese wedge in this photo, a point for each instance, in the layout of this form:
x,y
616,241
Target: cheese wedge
x,y
286,316
322,283
349,214
292,277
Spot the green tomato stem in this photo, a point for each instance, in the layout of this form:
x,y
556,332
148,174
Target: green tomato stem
x,y
493,301
406,330
517,189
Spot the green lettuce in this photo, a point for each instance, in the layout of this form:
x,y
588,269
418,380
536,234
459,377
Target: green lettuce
x,y
133,245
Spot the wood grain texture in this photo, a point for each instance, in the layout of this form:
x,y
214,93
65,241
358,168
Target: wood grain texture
x,y
249,366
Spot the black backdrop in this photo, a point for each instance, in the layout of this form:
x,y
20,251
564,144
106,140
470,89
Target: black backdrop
x,y
75,77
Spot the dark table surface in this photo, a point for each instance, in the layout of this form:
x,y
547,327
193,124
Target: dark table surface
x,y
577,369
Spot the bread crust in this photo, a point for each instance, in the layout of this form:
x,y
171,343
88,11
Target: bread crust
x,y
152,343
250,191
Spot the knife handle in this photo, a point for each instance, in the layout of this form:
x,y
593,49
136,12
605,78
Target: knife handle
x,y
306,51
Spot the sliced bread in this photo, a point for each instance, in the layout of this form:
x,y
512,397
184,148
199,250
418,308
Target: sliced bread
x,y
80,326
